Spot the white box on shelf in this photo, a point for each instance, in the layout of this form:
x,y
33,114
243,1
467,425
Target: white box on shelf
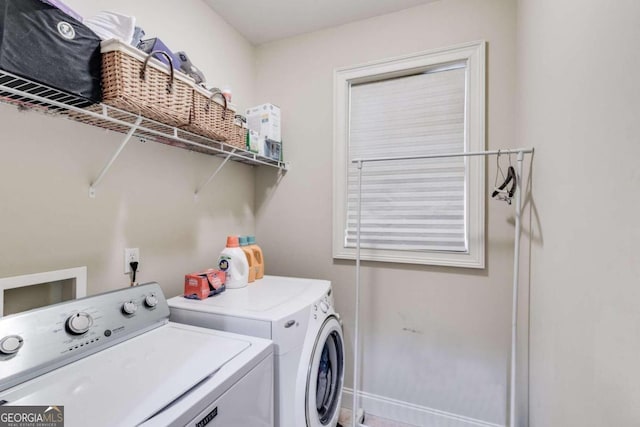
x,y
265,119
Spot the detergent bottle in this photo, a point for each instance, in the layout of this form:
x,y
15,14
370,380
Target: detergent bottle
x,y
251,259
257,253
234,263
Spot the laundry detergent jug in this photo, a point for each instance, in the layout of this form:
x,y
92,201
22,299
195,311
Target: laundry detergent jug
x,y
251,260
257,253
234,263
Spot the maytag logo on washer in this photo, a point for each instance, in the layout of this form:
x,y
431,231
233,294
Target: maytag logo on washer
x,y
66,30
31,416
208,418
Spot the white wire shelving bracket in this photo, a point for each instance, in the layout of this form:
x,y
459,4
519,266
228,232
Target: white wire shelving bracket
x,y
127,138
215,172
29,95
520,152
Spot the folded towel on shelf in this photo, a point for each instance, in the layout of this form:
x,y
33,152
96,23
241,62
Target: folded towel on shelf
x,y
112,25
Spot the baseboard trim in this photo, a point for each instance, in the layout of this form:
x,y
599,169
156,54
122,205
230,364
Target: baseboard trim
x,y
410,413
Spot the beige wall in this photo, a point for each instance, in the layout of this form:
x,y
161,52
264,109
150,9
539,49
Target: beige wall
x,y
47,220
579,103
433,337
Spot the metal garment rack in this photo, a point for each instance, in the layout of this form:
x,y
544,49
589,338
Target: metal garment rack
x,y
30,95
520,152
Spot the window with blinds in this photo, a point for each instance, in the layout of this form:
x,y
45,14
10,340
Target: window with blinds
x,y
423,211
416,205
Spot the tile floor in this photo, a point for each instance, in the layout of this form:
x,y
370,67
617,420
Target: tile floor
x,y
369,420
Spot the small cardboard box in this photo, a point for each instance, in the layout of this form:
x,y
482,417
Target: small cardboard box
x,y
266,120
204,284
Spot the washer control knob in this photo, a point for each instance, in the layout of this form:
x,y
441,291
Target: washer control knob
x,y
10,344
79,323
324,307
129,307
151,301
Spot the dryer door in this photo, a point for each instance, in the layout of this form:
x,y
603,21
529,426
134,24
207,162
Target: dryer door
x,y
325,376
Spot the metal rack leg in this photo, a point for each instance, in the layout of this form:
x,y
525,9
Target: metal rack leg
x,y
356,341
514,308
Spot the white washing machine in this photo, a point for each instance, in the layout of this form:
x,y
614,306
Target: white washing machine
x,y
298,315
115,360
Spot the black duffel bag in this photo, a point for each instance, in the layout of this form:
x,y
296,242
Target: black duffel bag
x,y
42,43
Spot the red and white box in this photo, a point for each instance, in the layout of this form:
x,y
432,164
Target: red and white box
x,y
204,284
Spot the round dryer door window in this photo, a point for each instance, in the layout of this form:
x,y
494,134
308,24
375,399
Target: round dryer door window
x,y
326,375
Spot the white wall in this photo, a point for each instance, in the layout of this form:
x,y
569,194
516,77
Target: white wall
x,y
435,338
579,104
47,220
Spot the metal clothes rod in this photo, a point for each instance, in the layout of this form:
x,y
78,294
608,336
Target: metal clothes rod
x,y
516,264
438,156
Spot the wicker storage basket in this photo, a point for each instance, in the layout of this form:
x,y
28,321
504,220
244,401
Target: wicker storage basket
x,y
238,137
138,83
210,117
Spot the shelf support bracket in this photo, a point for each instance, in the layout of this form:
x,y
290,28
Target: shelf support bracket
x,y
105,169
224,162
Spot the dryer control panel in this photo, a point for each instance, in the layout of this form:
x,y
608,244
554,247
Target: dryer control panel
x,y
40,340
290,331
323,307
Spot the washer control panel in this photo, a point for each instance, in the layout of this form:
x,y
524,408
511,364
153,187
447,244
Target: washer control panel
x,y
49,337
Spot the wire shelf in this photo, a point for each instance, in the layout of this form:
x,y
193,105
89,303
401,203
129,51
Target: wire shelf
x,y
29,95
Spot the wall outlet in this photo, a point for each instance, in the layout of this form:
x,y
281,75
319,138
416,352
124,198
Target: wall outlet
x,y
131,255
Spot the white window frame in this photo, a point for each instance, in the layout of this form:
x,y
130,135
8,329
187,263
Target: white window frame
x,y
474,54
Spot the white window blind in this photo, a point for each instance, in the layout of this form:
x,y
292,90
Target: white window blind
x,y
414,205
422,211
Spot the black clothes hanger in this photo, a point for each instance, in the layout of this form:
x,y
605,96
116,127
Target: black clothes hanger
x,y
499,191
511,177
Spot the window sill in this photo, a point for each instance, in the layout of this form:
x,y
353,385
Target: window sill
x,y
445,259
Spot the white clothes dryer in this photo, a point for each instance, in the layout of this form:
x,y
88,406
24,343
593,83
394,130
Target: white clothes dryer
x,y
298,315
